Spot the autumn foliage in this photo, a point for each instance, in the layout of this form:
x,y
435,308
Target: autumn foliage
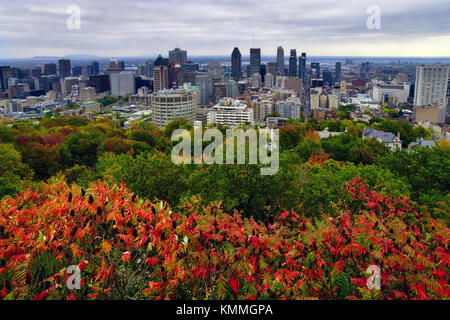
x,y
130,248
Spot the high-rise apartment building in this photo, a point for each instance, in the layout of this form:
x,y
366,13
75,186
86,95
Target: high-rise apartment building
x,y
255,61
169,105
236,64
431,85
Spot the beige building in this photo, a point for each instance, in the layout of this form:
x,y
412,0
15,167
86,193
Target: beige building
x,y
343,87
87,94
291,83
169,105
433,114
160,78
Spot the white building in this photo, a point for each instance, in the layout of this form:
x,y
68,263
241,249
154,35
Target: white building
x,y
382,91
230,112
169,105
431,85
122,83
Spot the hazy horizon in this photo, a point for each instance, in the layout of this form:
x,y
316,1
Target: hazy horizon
x,y
205,27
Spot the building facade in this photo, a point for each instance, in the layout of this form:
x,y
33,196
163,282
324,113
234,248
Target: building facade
x,y
169,105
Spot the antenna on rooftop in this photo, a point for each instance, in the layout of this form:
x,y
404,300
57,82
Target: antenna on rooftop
x,y
253,40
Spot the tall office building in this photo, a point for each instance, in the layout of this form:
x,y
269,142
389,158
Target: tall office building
x,y
215,69
149,66
100,82
49,69
65,69
328,77
271,67
337,71
123,83
95,68
315,67
160,78
115,66
302,68
364,72
77,71
280,60
5,74
236,64
255,61
204,83
431,85
178,56
293,63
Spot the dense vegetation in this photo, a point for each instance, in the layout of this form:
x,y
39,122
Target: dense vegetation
x,y
335,207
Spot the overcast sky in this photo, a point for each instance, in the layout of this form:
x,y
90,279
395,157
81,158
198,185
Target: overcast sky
x,y
147,27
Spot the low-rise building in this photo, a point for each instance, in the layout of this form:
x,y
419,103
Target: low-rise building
x,y
391,141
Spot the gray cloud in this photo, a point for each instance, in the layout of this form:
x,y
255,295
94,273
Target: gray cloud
x,y
137,27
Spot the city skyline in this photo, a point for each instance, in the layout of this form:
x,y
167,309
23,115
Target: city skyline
x,y
136,28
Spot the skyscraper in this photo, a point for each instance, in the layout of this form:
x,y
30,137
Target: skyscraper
x,y
5,74
236,64
338,72
315,66
364,73
95,68
65,69
255,61
178,56
122,83
328,77
302,68
280,60
149,66
50,69
161,77
293,63
431,85
204,82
